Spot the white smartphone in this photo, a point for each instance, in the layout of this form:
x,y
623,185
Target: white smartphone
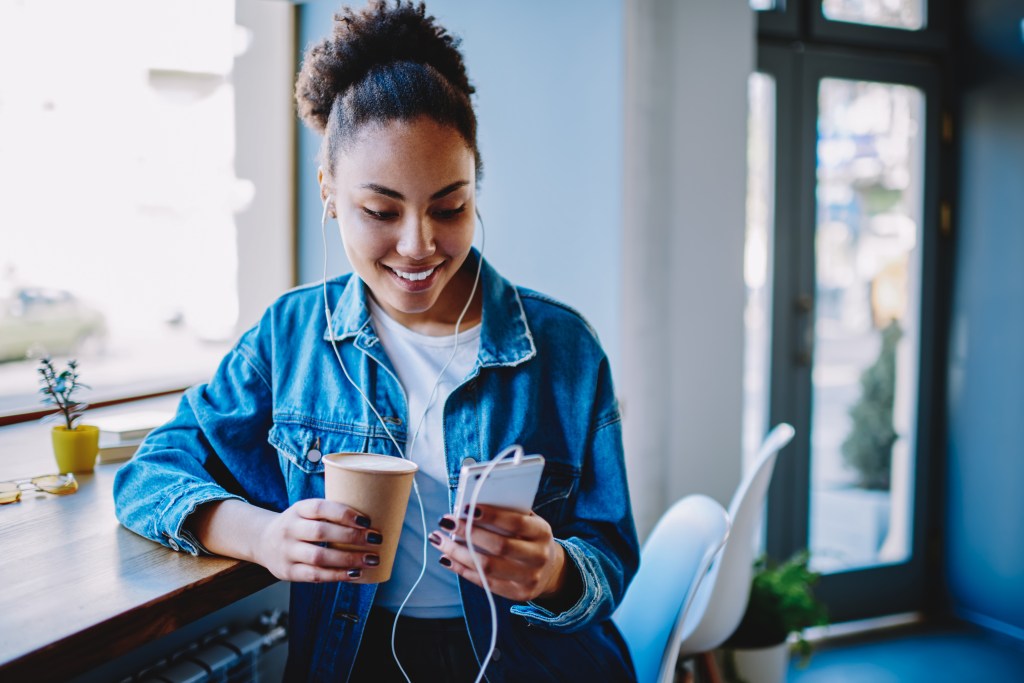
x,y
510,484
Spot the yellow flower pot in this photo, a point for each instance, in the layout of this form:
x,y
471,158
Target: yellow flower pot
x,y
76,449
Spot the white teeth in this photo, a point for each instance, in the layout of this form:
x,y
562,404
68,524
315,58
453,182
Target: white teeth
x,y
415,277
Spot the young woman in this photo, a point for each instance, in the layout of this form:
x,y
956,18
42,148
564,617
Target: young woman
x,y
238,471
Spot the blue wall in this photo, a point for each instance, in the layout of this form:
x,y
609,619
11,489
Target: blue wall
x,y
549,80
986,388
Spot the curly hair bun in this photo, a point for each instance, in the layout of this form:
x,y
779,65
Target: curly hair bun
x,y
379,34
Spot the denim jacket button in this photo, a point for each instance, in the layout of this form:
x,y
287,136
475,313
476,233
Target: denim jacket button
x,y
314,455
469,461
174,544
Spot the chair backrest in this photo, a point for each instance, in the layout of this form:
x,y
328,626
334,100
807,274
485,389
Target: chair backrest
x,y
721,599
674,560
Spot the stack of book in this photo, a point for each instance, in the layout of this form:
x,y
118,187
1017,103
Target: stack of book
x,y
121,434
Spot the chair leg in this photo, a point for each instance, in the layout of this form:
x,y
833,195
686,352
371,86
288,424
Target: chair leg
x,y
708,668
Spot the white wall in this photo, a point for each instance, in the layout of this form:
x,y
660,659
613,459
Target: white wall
x,y
549,81
681,377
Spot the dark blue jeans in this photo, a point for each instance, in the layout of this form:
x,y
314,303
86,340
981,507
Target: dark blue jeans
x,y
430,650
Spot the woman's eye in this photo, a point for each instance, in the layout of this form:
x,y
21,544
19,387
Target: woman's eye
x,y
444,214
379,215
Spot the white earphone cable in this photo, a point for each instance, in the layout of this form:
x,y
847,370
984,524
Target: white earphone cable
x,y
518,451
412,441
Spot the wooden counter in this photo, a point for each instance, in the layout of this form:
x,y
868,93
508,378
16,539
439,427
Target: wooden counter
x,y
76,588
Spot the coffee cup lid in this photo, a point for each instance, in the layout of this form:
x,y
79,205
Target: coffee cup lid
x,y
370,462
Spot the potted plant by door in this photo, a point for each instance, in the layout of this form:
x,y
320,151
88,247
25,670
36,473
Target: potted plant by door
x,y
74,445
781,604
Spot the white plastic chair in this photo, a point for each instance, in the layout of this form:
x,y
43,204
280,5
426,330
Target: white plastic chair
x,y
673,561
722,596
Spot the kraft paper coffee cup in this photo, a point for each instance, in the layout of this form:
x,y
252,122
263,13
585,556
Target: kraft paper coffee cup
x,y
377,486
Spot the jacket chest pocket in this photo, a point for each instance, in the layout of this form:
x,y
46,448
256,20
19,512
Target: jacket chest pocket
x,y
300,449
557,486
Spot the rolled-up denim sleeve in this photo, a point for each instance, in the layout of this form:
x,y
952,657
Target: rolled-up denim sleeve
x,y
596,592
600,536
215,448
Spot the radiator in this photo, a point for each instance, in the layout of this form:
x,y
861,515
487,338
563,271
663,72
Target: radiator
x,y
254,654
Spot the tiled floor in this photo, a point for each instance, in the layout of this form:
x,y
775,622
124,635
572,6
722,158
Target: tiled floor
x,y
961,654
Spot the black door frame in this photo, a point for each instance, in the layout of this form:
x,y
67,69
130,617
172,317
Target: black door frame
x,y
797,70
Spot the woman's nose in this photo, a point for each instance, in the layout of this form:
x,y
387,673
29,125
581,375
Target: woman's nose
x,y
417,240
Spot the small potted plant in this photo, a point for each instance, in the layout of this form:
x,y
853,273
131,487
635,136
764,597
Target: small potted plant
x,y
781,604
74,445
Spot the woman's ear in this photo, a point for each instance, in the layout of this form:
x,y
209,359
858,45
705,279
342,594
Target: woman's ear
x,y
325,192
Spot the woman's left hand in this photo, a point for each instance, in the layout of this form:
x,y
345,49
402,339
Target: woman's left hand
x,y
516,551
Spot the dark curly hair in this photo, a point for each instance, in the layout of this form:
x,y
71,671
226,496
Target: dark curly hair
x,y
383,63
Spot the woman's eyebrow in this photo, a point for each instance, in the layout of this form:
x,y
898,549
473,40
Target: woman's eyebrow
x,y
394,194
449,189
380,189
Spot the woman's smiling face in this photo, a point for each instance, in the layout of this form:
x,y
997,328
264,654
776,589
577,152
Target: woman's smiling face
x,y
405,200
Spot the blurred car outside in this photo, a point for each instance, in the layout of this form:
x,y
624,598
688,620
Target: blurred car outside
x,y
36,321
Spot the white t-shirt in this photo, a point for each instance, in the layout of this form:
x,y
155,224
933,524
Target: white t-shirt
x,y
417,359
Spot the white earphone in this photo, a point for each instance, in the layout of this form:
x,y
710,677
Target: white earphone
x,y
412,440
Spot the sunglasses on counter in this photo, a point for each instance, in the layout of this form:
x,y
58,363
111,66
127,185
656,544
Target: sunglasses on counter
x,y
57,484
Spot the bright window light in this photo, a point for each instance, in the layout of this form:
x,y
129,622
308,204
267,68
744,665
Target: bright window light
x,y
118,192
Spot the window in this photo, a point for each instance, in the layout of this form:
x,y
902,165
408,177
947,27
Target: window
x,y
757,260
867,321
852,274
122,194
905,14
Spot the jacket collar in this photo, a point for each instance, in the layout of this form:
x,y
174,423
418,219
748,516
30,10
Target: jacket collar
x,y
505,339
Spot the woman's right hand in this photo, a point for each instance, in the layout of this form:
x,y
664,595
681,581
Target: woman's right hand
x,y
292,544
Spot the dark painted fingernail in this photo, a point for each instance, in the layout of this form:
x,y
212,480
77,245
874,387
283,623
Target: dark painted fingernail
x,y
371,560
363,521
434,538
445,561
446,523
477,513
374,538
355,573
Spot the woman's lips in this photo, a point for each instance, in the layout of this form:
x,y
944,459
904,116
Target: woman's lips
x,y
414,280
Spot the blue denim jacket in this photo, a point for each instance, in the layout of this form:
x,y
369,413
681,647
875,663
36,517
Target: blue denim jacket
x,y
541,380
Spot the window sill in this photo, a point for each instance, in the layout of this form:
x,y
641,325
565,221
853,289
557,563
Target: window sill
x,y
101,399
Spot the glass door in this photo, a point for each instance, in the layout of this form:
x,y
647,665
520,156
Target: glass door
x,y
856,220
866,322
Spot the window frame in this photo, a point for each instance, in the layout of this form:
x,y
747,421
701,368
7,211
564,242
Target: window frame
x,y
782,22
255,104
933,37
805,20
797,68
